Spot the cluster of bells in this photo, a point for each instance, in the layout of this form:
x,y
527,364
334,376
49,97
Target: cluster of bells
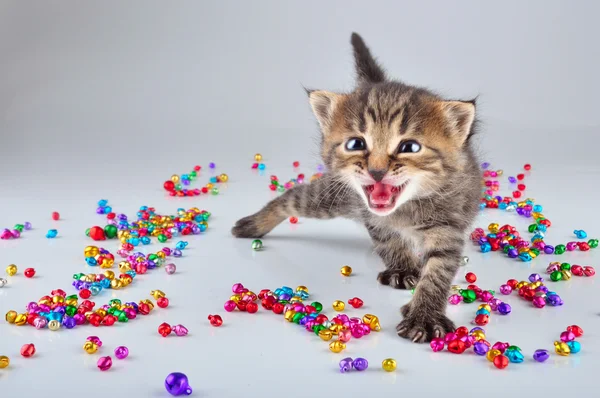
x,y
134,263
567,344
490,303
278,186
16,232
564,271
457,342
360,364
150,224
288,302
501,354
533,290
59,310
164,329
175,185
507,239
93,344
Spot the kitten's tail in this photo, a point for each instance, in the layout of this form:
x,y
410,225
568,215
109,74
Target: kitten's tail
x,y
367,69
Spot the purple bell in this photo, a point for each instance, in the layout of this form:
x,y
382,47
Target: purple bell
x,y
177,384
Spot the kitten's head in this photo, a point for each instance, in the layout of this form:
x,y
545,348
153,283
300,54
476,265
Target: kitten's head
x,y
390,141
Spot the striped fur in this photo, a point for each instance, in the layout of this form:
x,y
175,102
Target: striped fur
x,y
421,238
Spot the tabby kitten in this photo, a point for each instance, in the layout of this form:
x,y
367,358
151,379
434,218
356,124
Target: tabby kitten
x,y
400,161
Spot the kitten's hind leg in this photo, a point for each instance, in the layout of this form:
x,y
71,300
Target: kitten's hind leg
x,y
324,198
402,265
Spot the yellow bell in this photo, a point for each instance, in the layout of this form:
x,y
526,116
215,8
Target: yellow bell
x,y
11,270
389,365
302,289
11,316
289,315
21,319
157,294
339,305
491,354
90,347
494,228
4,361
478,335
562,348
91,251
337,346
326,334
116,284
485,307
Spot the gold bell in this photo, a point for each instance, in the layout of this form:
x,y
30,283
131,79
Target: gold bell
x,y
116,284
326,334
337,346
110,275
91,251
11,316
339,305
336,327
562,348
478,335
289,315
11,270
491,354
90,347
157,294
21,319
372,321
389,365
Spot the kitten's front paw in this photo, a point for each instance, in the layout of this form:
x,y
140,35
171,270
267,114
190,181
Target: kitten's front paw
x,y
421,327
398,279
247,227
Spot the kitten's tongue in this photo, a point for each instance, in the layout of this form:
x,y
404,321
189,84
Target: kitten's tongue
x,y
381,194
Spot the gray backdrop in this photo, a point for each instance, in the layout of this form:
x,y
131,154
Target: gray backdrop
x,y
92,77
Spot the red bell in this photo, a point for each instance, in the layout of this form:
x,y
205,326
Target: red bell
x,y
162,302
355,302
251,307
164,329
215,320
28,350
97,233
457,346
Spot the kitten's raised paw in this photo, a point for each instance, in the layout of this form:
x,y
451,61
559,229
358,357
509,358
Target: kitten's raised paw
x,y
246,227
420,327
398,279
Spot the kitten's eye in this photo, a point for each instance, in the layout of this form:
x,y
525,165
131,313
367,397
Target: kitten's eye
x,y
409,147
356,144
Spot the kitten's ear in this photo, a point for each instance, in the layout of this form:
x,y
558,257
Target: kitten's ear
x,y
323,104
460,116
367,69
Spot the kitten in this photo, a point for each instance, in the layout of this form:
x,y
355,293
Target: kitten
x,y
400,161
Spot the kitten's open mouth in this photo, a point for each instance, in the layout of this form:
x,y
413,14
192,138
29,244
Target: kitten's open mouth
x,y
382,197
